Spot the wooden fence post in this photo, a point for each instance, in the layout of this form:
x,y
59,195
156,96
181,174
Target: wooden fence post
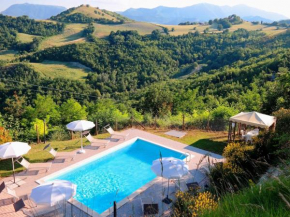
x,y
183,127
116,125
96,127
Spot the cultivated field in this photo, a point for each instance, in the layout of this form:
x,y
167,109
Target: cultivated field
x,y
142,27
54,69
180,30
72,34
7,55
25,38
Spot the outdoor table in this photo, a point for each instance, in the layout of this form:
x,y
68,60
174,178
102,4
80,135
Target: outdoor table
x,y
253,133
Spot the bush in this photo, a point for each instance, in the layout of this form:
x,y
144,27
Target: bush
x,y
193,205
59,134
283,120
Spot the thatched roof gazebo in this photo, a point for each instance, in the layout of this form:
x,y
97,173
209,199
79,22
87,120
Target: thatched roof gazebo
x,y
253,119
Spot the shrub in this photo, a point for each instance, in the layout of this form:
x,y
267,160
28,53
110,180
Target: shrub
x,y
193,205
283,120
4,136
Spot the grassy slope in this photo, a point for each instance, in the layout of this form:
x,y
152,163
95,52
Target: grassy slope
x,y
25,38
71,34
7,55
180,30
54,69
256,201
143,28
90,12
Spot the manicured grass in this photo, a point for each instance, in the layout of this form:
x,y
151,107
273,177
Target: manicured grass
x,y
7,55
25,38
210,141
72,34
264,200
142,28
54,69
36,154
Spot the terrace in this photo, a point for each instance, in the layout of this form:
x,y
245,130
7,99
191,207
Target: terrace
x,y
131,205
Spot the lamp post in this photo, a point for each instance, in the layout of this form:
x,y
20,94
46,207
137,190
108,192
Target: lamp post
x,y
44,131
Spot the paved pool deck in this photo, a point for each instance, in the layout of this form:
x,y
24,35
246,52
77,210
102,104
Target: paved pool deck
x,y
157,189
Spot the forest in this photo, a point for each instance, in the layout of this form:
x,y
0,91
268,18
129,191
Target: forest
x,y
194,80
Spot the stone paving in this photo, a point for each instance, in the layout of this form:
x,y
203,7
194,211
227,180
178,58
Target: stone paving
x,y
133,207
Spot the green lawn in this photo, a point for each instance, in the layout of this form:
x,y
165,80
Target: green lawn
x,y
211,141
55,69
36,154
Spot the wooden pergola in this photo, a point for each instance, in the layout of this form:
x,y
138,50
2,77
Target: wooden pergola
x,y
253,119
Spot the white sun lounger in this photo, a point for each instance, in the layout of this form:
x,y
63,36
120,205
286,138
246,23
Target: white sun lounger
x,y
34,166
118,134
56,154
96,142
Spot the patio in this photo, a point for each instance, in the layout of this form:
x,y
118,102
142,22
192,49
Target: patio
x,y
133,205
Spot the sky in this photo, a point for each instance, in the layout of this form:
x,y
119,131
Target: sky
x,y
278,6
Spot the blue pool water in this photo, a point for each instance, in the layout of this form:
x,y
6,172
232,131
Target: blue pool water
x,y
116,175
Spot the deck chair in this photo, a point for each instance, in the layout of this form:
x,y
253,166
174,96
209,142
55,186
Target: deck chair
x,y
117,134
148,207
34,166
56,154
96,142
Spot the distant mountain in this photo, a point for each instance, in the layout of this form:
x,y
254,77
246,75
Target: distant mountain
x,y
257,18
33,11
197,13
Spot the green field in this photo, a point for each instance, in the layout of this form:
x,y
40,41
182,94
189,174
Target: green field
x,y
54,69
142,27
72,34
25,38
180,30
7,55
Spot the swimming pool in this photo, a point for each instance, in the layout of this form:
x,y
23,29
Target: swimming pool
x,y
116,175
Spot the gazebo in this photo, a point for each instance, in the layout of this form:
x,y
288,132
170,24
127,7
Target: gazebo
x,y
253,119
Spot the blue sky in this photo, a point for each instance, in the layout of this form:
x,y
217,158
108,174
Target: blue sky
x,y
278,6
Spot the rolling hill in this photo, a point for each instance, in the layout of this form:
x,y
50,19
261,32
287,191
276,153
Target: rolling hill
x,y
197,13
33,11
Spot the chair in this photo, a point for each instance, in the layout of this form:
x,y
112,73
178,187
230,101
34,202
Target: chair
x,y
148,207
33,166
95,142
113,133
56,154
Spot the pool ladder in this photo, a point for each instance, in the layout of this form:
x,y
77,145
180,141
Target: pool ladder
x,y
188,157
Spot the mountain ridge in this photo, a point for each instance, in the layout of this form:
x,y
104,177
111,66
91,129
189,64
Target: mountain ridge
x,y
33,11
197,13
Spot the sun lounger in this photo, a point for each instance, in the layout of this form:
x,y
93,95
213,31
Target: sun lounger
x,y
118,134
56,154
148,207
34,166
37,210
97,142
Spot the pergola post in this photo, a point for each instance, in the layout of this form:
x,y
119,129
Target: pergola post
x,y
230,131
234,137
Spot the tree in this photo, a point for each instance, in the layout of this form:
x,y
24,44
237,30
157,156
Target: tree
x,y
184,102
220,27
166,30
46,108
71,110
173,29
4,135
157,100
210,22
15,105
